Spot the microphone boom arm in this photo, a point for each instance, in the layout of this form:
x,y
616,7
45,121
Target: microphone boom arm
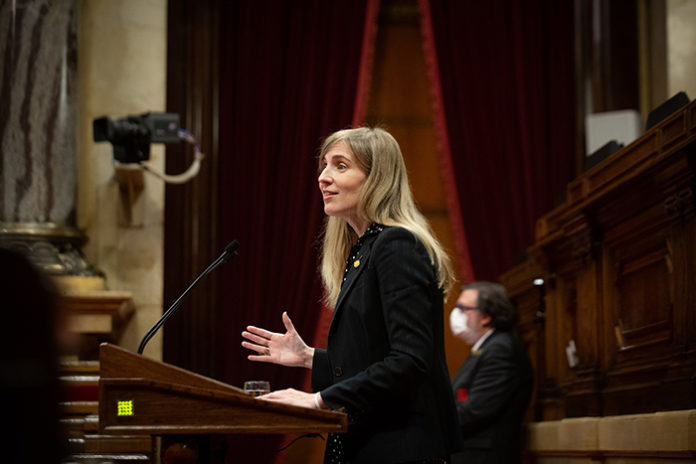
x,y
229,253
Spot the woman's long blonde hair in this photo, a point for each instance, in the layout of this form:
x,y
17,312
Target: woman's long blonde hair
x,y
385,198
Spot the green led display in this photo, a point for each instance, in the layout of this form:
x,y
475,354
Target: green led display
x,y
125,408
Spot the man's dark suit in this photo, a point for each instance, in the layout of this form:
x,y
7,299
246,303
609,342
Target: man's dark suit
x,y
493,388
385,356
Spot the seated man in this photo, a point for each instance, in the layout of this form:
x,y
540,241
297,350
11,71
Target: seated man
x,y
494,385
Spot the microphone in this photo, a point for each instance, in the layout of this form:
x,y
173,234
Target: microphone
x,y
229,252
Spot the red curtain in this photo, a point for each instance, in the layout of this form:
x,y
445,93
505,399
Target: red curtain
x,y
321,332
289,76
505,72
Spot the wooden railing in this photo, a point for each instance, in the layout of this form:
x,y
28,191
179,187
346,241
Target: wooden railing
x,y
618,260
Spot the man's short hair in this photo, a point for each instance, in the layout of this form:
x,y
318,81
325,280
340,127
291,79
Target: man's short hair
x,y
494,302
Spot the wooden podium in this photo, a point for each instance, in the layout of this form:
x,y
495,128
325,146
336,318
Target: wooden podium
x,y
142,396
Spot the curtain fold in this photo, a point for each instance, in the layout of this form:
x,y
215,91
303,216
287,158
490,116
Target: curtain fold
x,y
289,75
466,271
321,332
366,60
505,71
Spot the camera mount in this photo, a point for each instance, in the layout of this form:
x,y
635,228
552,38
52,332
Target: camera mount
x,y
131,136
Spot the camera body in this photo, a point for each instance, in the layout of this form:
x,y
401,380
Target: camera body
x,y
131,136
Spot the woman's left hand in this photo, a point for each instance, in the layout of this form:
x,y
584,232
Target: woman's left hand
x,y
290,396
286,349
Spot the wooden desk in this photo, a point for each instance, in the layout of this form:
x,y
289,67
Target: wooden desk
x,y
619,262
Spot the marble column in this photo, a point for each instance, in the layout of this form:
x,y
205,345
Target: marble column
x,y
38,133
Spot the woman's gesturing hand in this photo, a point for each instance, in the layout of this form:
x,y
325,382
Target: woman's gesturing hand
x,y
286,349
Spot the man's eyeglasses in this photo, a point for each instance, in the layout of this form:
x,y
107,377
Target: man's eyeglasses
x,y
462,307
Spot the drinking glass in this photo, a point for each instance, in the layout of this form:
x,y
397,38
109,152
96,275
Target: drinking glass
x,y
256,387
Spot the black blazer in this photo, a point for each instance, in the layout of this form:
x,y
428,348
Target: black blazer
x,y
497,384
385,356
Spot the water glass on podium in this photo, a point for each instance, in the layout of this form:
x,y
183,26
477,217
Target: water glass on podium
x,y
256,387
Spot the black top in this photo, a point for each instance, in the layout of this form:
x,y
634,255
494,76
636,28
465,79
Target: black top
x,y
385,357
353,261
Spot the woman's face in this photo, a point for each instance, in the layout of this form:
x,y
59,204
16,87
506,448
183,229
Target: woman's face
x,y
340,182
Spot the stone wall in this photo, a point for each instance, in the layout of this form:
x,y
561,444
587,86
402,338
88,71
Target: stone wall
x,y
681,47
638,438
121,72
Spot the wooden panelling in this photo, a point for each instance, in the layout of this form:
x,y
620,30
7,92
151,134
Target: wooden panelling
x,y
530,302
619,262
192,210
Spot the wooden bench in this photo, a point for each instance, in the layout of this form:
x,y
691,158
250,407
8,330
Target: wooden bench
x,y
80,421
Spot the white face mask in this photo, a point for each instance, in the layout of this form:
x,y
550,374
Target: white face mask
x,y
458,322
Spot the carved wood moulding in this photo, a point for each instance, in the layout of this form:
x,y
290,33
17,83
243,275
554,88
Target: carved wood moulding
x,y
620,259
98,312
654,148
95,316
